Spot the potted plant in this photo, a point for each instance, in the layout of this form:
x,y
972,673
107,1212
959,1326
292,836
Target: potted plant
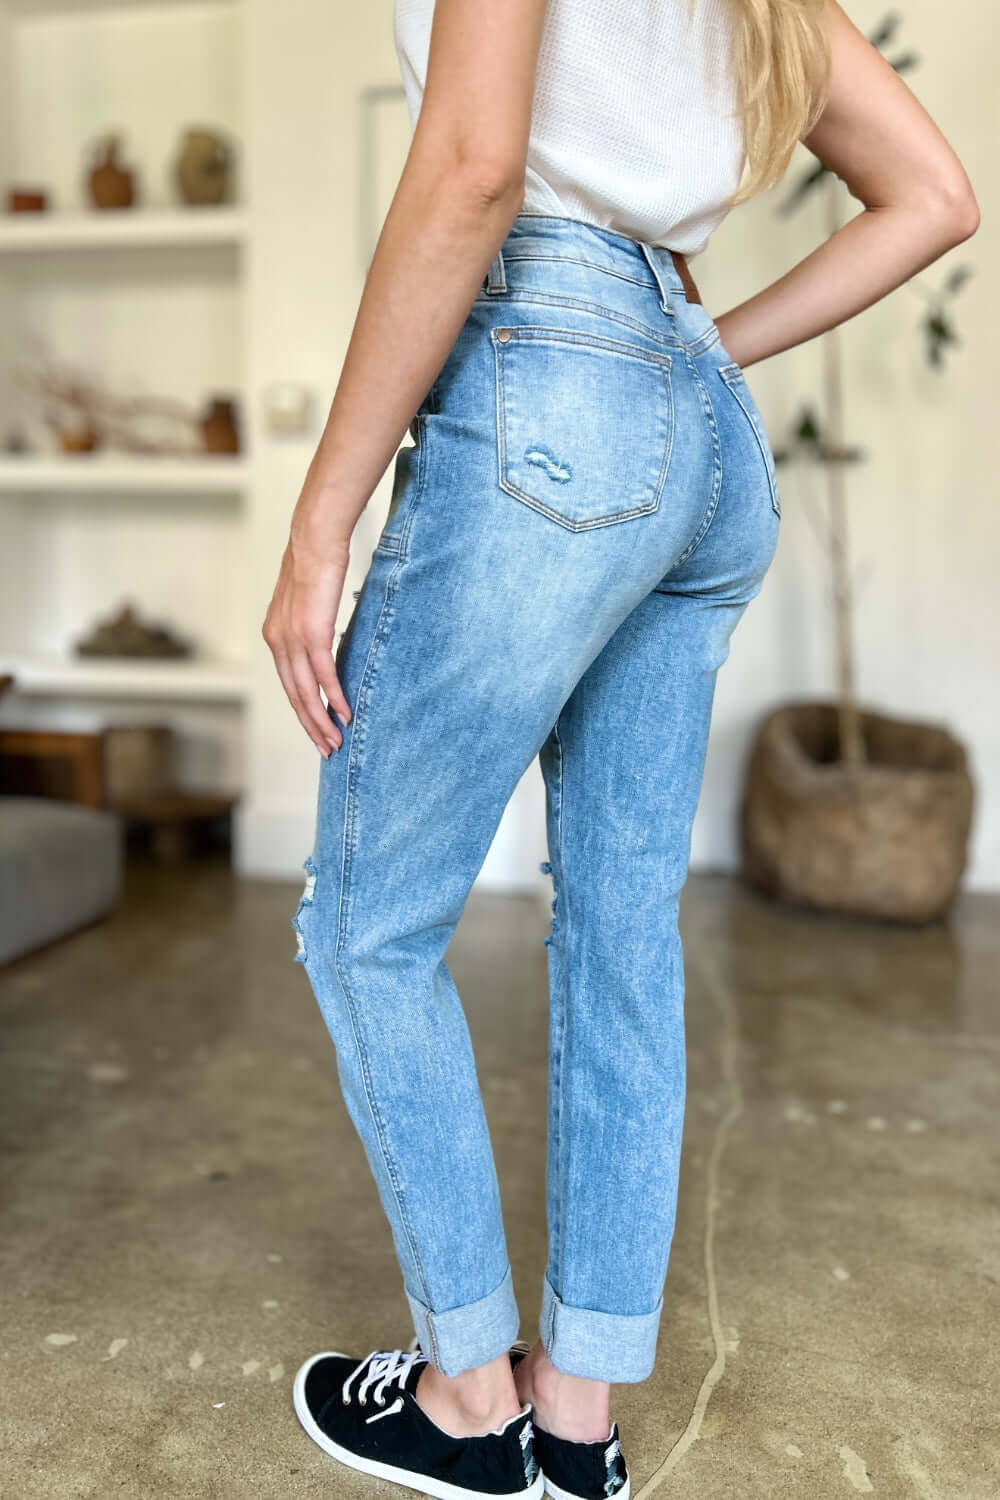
x,y
845,809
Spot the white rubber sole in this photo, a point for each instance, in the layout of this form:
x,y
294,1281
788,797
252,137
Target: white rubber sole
x,y
558,1494
422,1483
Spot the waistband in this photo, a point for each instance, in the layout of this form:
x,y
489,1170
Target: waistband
x,y
554,237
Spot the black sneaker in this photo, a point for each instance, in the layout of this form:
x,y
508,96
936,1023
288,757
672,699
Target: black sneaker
x,y
391,1435
578,1471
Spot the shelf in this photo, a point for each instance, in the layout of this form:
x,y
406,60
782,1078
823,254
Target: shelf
x,y
87,677
96,473
31,10
122,228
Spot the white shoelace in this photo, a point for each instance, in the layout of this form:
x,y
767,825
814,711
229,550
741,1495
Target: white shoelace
x,y
383,1366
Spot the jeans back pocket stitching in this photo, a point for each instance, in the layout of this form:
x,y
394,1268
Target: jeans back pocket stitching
x,y
535,296
529,333
537,332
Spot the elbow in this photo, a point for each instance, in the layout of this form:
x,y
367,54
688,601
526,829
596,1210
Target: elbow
x,y
489,184
966,217
463,168
955,210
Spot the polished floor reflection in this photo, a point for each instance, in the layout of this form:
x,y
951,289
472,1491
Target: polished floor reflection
x,y
187,1212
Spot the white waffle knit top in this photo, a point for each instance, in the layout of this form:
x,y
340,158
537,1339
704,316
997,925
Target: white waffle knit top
x,y
632,125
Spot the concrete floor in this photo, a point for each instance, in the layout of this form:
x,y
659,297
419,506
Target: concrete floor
x,y
187,1213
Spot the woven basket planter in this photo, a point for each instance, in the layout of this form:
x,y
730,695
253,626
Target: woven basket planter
x,y
884,839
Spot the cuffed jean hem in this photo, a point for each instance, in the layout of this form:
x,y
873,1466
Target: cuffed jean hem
x,y
462,1337
617,1347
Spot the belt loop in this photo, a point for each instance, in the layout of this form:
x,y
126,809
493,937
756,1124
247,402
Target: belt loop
x,y
666,304
496,280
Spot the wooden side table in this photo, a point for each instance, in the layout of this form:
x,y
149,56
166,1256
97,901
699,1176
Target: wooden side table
x,y
53,763
172,817
123,770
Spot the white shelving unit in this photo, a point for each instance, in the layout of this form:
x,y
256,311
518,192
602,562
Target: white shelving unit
x,y
122,228
88,677
99,473
148,299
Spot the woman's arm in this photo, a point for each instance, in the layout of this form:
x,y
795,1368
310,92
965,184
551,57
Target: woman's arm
x,y
918,203
459,192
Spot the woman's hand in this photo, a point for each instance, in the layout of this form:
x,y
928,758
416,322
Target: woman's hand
x,y
299,629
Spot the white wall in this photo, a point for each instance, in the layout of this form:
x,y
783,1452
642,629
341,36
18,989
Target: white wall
x,y
922,508
307,64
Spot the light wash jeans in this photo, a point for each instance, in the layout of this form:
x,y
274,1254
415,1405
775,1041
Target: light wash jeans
x,y
588,507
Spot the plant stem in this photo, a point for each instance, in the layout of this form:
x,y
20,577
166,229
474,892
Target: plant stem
x,y
852,749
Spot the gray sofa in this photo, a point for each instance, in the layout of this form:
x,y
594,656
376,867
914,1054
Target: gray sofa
x,y
60,868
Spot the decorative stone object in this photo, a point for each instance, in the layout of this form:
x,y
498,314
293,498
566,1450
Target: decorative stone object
x,y
885,839
125,634
202,167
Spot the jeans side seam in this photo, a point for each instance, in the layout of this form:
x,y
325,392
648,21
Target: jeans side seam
x,y
563,903
348,850
713,503
733,386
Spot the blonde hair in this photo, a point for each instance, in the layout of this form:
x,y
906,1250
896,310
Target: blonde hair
x,y
781,64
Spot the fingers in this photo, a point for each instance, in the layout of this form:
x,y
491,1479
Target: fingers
x,y
321,661
316,721
322,741
299,629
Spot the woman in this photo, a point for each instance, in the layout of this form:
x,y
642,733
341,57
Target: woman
x,y
587,508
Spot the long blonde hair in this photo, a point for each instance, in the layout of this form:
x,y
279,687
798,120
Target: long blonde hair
x,y
781,62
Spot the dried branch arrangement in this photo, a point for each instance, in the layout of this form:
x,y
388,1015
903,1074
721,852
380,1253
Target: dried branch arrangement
x,y
84,413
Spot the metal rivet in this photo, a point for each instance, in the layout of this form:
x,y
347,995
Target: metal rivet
x,y
503,334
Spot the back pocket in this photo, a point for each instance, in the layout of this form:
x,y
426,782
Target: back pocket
x,y
585,424
735,379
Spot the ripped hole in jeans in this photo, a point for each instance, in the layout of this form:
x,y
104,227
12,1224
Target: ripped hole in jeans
x,y
306,899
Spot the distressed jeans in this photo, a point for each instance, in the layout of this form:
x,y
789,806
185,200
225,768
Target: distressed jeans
x,y
587,507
